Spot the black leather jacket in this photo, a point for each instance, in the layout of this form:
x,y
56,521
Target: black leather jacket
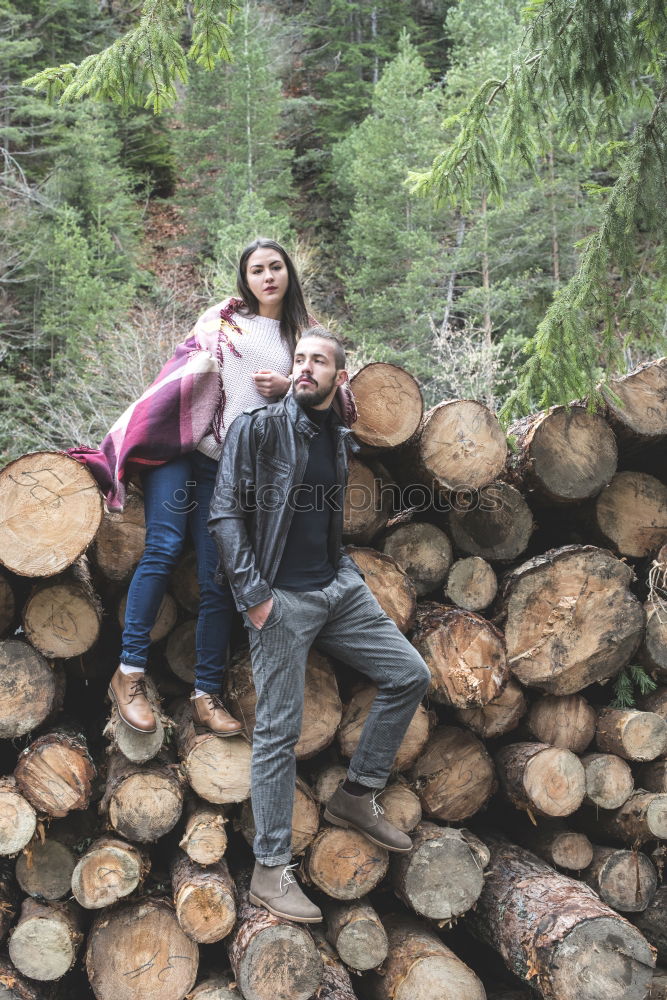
x,y
264,455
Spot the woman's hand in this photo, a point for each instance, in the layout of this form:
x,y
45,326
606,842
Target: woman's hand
x,y
270,384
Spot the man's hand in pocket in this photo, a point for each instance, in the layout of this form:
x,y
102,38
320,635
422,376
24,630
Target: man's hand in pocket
x,y
260,612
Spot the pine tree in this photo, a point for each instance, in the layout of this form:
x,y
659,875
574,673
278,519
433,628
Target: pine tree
x,y
145,63
394,264
236,170
593,77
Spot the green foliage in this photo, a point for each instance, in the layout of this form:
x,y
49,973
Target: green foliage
x,y
144,64
236,170
590,77
628,684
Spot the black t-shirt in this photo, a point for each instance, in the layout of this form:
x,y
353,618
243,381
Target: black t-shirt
x,y
305,564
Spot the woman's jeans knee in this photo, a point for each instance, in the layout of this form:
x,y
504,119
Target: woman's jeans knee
x,y
177,496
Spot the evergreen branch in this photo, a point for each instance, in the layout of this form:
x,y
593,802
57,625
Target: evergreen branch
x,y
143,65
568,354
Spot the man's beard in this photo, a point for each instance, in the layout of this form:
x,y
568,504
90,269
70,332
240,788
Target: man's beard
x,y
310,395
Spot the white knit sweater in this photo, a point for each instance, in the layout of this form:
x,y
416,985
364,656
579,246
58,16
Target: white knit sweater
x,y
262,349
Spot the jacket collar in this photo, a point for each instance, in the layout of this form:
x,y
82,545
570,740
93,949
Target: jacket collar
x,y
305,426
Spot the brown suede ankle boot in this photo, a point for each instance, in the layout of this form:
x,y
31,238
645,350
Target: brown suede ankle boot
x,y
364,813
278,891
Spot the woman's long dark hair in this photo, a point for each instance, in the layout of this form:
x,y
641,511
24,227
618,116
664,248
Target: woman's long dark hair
x,y
294,317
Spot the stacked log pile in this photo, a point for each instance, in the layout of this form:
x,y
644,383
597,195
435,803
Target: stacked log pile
x,y
529,577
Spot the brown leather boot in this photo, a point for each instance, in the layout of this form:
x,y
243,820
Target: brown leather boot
x,y
134,708
364,813
278,891
208,711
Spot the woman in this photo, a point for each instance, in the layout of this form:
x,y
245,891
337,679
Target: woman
x,y
238,355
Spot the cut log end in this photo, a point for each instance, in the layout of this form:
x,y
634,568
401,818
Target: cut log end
x,y
57,494
472,584
389,404
602,960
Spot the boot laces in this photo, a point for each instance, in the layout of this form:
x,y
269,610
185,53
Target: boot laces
x,y
377,808
138,689
287,876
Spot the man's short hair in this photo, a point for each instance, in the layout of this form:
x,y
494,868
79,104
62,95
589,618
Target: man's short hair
x,y
324,334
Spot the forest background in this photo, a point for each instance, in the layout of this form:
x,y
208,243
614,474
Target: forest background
x,y
334,128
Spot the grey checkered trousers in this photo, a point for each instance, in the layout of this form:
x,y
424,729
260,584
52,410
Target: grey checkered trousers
x,y
343,620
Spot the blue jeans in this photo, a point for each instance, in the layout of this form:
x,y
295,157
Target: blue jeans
x,y
176,495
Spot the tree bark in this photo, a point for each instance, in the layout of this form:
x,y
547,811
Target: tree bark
x,y
180,651
389,404
50,510
642,817
499,716
555,933
217,768
357,934
345,864
454,777
30,689
542,779
443,874
18,818
465,654
355,715
389,584
46,939
9,899
631,512
571,619
497,525
142,801
654,648
184,584
366,509
139,950
626,880
566,453
652,777
420,966
336,983
653,923
15,987
422,551
566,721
471,584
44,869
7,605
271,958
109,870
609,781
55,773
204,839
205,899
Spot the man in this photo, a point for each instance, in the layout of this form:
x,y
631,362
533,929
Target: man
x,y
277,518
